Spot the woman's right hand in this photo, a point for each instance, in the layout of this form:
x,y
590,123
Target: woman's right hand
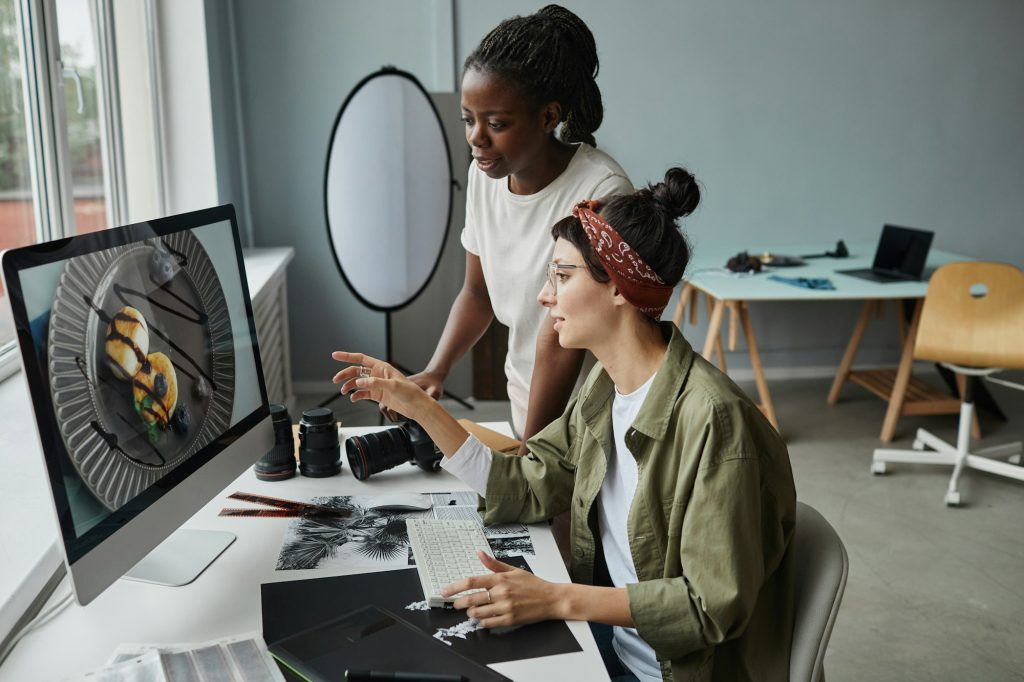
x,y
432,384
371,379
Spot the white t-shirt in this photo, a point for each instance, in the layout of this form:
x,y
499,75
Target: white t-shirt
x,y
614,502
511,234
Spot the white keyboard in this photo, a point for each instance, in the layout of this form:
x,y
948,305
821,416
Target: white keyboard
x,y
445,552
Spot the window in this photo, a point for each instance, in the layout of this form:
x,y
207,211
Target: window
x,y
17,189
87,150
62,155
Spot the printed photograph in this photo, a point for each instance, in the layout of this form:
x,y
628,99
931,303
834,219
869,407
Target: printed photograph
x,y
370,538
365,538
462,498
505,547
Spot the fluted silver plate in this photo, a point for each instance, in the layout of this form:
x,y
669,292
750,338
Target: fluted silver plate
x,y
105,438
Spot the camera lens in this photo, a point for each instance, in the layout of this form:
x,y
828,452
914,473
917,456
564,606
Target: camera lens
x,y
377,452
279,463
319,448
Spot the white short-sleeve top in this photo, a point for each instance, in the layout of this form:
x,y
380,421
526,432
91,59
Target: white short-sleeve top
x,y
511,234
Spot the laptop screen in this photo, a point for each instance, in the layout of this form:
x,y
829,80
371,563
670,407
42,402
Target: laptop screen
x,y
902,251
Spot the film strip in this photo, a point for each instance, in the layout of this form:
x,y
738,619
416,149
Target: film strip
x,y
280,508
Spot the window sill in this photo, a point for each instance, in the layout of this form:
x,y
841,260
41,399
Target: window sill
x,y
10,364
32,555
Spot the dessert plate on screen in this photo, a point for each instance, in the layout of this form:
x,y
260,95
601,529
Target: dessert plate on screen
x,y
141,362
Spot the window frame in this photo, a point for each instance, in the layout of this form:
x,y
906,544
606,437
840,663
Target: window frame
x,y
43,101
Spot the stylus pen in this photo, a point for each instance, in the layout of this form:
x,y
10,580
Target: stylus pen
x,y
381,676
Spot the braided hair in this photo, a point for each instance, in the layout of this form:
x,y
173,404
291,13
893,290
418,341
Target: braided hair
x,y
549,55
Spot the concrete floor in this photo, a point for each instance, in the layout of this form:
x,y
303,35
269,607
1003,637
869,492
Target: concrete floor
x,y
933,593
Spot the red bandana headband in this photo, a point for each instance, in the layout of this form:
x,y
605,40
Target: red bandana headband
x,y
639,284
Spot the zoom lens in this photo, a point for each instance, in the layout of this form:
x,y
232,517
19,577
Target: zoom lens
x,y
279,463
377,452
319,448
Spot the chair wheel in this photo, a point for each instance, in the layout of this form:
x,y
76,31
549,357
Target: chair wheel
x,y
878,468
952,498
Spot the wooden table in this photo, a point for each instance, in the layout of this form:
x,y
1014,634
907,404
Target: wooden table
x,y
724,291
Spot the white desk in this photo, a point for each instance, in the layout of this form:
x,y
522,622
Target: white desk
x,y
736,293
225,599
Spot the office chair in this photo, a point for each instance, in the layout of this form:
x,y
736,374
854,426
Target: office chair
x,y
972,323
822,566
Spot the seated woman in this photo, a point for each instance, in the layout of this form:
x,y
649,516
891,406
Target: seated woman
x,y
681,494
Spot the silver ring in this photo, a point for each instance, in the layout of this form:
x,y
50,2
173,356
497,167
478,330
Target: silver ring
x,y
489,600
364,371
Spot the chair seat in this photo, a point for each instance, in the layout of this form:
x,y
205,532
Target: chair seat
x,y
972,322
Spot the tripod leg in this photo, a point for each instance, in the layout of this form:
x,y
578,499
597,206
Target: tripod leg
x,y
447,394
327,401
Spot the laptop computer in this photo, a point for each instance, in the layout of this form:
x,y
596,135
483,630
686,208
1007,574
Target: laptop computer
x,y
900,257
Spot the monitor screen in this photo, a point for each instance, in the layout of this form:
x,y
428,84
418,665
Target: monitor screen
x,y
139,347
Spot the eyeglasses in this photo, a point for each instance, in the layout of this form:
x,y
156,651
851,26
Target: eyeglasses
x,y
553,269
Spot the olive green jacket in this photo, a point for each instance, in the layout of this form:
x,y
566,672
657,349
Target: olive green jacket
x,y
713,514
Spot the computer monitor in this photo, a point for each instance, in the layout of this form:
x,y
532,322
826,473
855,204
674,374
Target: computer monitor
x,y
139,349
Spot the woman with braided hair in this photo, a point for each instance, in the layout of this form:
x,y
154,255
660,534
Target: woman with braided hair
x,y
680,492
528,77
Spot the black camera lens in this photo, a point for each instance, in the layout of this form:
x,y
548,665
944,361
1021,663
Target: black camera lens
x,y
377,452
279,463
319,448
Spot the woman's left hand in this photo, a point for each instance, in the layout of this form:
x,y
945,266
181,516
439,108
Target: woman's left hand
x,y
512,596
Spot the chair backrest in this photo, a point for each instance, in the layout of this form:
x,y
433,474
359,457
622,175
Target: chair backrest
x,y
973,315
821,569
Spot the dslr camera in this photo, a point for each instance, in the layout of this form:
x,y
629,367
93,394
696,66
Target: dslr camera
x,y
377,452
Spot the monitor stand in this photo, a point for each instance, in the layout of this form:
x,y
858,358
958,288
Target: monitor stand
x,y
180,558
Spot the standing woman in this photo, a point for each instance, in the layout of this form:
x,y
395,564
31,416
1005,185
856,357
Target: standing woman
x,y
527,77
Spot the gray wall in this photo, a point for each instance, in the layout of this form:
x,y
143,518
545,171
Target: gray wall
x,y
806,121
296,63
226,113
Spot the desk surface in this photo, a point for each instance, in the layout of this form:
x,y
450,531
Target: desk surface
x,y
706,272
225,599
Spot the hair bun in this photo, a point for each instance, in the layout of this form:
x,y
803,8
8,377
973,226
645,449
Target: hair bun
x,y
678,194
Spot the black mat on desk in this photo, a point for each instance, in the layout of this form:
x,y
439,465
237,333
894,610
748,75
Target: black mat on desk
x,y
361,640
295,605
